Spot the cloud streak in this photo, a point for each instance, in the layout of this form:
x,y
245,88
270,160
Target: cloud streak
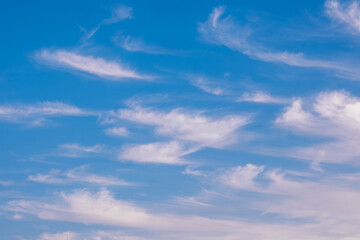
x,y
188,126
102,208
261,97
37,114
74,176
225,31
97,66
161,152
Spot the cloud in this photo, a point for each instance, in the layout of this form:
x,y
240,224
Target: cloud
x,y
133,44
189,171
261,97
206,86
76,150
37,114
225,31
59,236
335,116
288,194
76,175
102,208
161,152
117,131
93,235
119,13
242,176
349,15
188,126
100,67
5,183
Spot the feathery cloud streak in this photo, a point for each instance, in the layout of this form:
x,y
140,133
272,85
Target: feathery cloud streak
x,y
100,67
225,31
37,114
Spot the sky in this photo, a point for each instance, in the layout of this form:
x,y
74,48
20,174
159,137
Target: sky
x,y
172,120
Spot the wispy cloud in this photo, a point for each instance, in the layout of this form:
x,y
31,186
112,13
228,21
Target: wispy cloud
x,y
161,152
37,114
119,13
287,193
241,176
335,115
117,131
349,15
5,183
76,175
133,44
206,85
261,97
93,235
77,150
191,126
225,31
102,208
100,67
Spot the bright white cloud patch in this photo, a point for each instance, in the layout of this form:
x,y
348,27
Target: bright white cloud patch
x,y
188,126
37,114
241,177
88,64
165,153
348,14
335,115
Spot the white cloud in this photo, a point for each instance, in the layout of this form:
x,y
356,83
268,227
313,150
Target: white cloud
x,y
161,152
189,171
224,31
93,235
193,127
120,13
206,85
117,131
76,150
76,175
261,97
241,177
349,15
37,114
133,44
335,115
102,208
88,64
191,201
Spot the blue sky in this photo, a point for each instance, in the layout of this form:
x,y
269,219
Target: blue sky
x,y
179,120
